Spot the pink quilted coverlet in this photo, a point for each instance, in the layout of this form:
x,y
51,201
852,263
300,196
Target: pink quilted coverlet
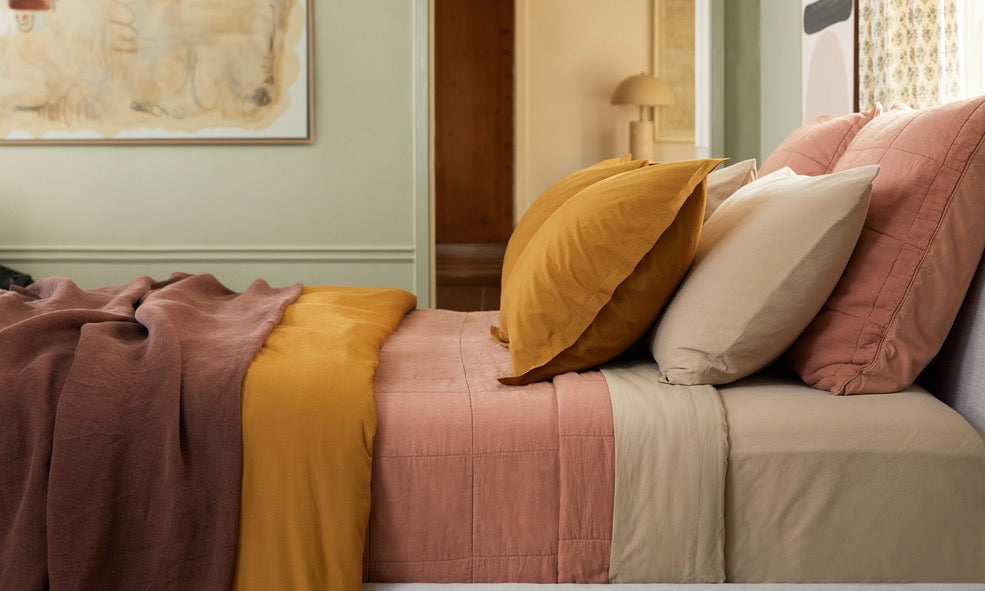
x,y
474,481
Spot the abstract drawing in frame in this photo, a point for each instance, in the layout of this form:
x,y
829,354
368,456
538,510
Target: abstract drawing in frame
x,y
828,58
155,71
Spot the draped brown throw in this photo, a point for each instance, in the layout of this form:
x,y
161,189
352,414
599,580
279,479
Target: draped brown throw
x,y
120,442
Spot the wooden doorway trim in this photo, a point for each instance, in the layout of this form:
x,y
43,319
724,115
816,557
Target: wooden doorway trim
x,y
472,147
521,109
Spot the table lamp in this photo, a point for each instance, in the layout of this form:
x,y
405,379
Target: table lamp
x,y
645,91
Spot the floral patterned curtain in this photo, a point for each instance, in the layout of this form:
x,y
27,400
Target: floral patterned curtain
x,y
908,52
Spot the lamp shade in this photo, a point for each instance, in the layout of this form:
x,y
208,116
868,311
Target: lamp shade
x,y
643,89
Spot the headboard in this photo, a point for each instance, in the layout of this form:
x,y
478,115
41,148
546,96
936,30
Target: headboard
x,y
957,374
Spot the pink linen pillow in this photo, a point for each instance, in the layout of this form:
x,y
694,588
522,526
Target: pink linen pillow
x,y
923,237
816,147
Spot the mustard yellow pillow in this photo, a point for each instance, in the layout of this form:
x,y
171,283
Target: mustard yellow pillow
x,y
543,207
595,276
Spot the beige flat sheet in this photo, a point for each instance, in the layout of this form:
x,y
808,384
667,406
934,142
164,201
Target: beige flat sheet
x,y
670,454
878,488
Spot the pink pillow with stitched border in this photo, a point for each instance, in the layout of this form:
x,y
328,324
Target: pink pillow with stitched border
x,y
815,148
921,243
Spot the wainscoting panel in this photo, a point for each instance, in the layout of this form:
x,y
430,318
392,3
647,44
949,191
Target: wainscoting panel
x,y
350,208
237,267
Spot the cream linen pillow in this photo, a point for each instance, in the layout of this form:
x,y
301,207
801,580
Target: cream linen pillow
x,y
725,181
766,262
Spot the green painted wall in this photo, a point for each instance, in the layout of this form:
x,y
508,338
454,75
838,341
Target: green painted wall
x,y
742,79
781,103
762,75
349,209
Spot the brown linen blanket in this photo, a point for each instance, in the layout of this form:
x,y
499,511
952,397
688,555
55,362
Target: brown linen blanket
x,y
120,446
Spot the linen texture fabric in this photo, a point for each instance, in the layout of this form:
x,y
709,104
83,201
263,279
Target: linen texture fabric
x,y
121,438
815,148
476,481
671,452
766,262
860,489
309,424
596,275
543,207
922,240
722,183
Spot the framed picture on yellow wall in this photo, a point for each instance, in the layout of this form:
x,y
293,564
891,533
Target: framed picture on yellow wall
x,y
161,71
673,49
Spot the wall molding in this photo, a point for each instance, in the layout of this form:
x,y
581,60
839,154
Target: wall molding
x,y
663,139
216,254
423,173
521,105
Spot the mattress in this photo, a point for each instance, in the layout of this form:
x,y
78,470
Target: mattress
x,y
884,488
865,488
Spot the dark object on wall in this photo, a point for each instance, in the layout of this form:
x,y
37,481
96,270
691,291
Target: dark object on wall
x,y
10,277
29,4
824,13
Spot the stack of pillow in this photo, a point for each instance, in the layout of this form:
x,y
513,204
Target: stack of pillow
x,y
850,254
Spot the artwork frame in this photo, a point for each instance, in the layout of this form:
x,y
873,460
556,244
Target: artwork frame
x,y
829,58
674,63
158,73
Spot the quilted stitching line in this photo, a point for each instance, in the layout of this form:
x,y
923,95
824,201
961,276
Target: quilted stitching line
x,y
887,148
472,453
423,561
940,219
846,141
501,556
858,338
560,488
484,557
586,435
896,238
844,313
790,152
468,387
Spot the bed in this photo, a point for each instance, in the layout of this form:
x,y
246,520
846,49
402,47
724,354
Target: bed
x,y
676,428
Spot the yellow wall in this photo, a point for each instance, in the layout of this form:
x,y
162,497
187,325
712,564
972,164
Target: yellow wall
x,y
349,209
571,54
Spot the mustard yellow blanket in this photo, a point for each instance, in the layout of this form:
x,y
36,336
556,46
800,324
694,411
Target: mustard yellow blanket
x,y
308,428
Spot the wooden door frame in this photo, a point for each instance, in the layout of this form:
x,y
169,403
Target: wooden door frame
x,y
709,116
424,155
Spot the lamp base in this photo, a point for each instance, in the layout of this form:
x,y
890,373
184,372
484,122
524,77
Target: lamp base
x,y
641,139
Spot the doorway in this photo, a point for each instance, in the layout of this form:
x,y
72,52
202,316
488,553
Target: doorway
x,y
473,149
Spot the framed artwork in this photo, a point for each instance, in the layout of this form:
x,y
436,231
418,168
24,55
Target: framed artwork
x,y
828,54
673,62
161,71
